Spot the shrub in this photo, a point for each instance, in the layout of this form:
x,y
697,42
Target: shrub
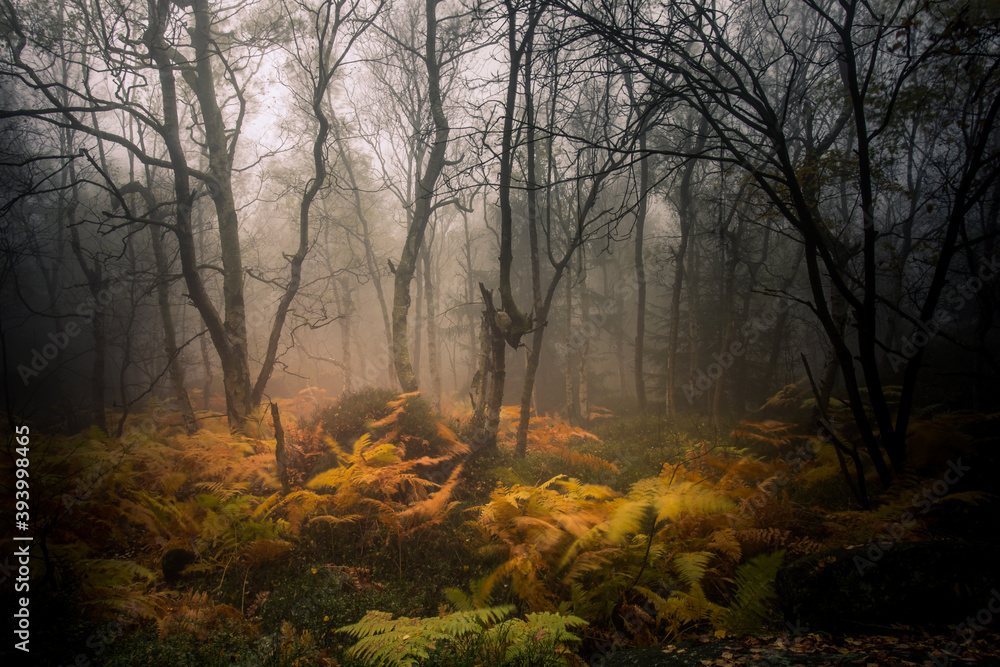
x,y
347,419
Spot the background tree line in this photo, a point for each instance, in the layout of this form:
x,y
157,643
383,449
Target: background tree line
x,y
664,207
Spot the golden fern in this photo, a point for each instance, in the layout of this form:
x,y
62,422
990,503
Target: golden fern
x,y
196,613
772,432
585,548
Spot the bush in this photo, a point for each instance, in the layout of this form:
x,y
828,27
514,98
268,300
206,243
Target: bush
x,y
416,427
348,418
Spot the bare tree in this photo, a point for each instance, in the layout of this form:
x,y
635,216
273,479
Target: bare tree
x,y
208,61
753,78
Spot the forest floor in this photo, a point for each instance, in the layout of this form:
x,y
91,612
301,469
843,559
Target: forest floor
x,y
271,589
903,647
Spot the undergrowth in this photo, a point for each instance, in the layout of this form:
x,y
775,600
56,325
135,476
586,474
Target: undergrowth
x,y
395,545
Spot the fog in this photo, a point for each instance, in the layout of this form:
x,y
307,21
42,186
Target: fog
x,y
219,207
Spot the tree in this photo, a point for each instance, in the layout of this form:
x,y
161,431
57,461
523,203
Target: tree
x,y
416,77
754,79
210,59
579,195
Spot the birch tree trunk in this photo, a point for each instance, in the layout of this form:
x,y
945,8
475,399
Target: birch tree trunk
x,y
433,361
422,206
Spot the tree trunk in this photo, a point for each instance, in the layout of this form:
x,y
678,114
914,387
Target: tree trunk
x,y
234,354
174,367
539,308
422,207
418,320
346,313
470,290
780,325
432,333
684,216
493,376
480,389
583,391
97,377
732,259
914,188
95,284
693,294
280,454
321,80
572,404
206,390
640,279
169,337
229,336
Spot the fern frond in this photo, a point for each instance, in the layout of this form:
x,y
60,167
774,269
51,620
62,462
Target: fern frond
x,y
223,490
750,611
265,551
726,543
403,641
434,507
334,520
539,633
171,482
691,566
128,600
628,518
690,499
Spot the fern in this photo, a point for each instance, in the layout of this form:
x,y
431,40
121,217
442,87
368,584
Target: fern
x,y
196,613
119,586
517,641
691,567
478,634
749,611
771,432
403,641
589,551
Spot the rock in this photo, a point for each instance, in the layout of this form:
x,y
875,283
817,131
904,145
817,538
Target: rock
x,y
935,582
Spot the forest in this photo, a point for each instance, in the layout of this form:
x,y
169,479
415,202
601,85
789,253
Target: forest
x,y
500,332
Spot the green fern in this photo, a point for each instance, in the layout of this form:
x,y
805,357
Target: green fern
x,y
404,641
480,634
116,586
685,609
750,612
517,641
